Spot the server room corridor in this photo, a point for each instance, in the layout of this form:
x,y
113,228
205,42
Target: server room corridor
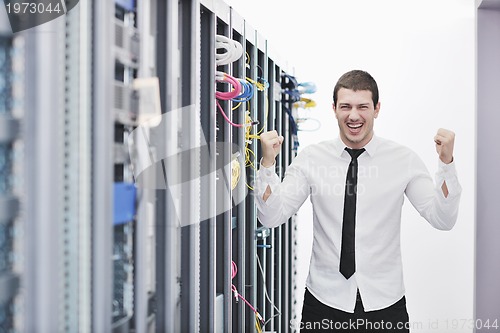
x,y
130,145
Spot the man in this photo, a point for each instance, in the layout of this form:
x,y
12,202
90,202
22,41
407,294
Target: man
x,y
357,184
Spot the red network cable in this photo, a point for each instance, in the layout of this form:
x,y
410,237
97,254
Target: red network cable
x,y
225,96
234,271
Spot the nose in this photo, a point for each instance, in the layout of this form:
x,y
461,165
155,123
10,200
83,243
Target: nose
x,y
354,115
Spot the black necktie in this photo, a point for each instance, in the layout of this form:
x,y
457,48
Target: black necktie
x,y
347,256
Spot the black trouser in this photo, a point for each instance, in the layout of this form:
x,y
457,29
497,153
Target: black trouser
x,y
318,317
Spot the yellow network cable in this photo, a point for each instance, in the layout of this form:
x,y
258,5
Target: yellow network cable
x,y
257,324
305,103
236,106
235,172
250,155
260,86
266,113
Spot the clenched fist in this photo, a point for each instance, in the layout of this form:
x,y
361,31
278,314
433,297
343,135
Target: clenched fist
x,y
445,141
270,143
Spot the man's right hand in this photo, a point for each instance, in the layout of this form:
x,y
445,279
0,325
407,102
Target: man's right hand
x,y
270,143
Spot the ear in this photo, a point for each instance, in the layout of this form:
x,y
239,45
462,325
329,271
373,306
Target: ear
x,y
377,110
334,110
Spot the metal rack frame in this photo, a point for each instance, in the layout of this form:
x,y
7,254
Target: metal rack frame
x,y
182,240
10,126
232,236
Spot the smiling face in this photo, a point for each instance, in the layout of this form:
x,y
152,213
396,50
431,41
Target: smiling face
x,y
355,114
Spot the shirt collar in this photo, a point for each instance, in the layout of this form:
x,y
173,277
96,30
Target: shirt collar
x,y
370,147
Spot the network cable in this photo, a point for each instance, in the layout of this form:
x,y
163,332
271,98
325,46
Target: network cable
x,y
278,312
247,92
233,50
288,82
224,77
242,90
306,88
305,103
293,124
294,95
236,294
301,121
230,95
235,171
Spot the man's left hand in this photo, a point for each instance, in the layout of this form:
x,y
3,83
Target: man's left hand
x,y
445,140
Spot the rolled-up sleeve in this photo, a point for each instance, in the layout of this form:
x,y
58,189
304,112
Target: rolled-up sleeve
x,y
428,197
286,196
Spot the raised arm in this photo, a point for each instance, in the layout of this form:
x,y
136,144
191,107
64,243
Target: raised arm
x,y
271,146
277,201
445,142
437,201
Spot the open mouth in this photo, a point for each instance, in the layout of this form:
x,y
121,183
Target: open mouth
x,y
354,128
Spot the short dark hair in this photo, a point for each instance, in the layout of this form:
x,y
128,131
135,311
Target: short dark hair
x,y
357,80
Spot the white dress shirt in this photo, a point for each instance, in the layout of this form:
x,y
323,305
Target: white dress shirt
x,y
386,172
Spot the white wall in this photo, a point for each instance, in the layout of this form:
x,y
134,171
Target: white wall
x,y
422,55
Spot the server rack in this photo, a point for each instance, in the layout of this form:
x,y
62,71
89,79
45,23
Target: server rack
x,y
9,199
167,234
104,247
55,212
126,62
236,235
238,253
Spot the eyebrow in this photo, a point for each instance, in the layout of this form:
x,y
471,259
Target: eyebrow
x,y
349,104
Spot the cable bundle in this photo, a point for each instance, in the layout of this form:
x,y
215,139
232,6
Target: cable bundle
x,y
292,99
247,92
294,95
288,82
231,95
305,103
258,317
235,171
307,88
261,84
291,95
308,120
226,78
233,50
241,91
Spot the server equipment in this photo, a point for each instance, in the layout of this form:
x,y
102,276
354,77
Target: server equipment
x,y
129,145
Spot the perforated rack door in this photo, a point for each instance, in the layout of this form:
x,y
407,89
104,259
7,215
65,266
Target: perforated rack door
x,y
9,201
233,235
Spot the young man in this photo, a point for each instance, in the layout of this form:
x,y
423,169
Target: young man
x,y
357,184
